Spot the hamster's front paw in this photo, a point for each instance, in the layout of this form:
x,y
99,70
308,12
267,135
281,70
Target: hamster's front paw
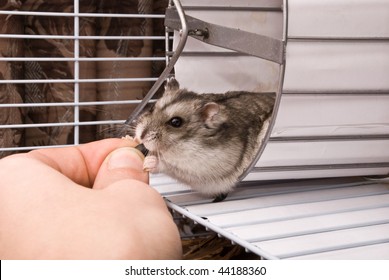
x,y
128,137
151,164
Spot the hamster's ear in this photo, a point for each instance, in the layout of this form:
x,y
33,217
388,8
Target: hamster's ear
x,y
172,84
212,115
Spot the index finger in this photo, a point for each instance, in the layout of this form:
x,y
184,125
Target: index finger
x,y
80,163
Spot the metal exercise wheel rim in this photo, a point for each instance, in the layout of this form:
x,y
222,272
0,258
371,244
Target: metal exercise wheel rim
x,y
184,35
277,103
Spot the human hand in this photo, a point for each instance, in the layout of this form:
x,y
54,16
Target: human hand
x,y
86,202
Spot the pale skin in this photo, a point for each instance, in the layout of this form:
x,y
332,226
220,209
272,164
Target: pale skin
x,y
87,202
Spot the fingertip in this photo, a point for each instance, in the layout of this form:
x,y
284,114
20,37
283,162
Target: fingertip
x,y
121,164
126,157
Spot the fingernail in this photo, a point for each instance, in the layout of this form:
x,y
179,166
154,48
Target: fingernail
x,y
126,158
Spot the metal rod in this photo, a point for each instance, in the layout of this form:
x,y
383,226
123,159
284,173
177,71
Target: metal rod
x,y
254,44
9,126
71,104
72,37
78,80
169,67
76,109
61,14
28,148
82,59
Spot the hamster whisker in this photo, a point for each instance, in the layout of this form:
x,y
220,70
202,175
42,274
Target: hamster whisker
x,y
158,152
128,129
107,131
160,156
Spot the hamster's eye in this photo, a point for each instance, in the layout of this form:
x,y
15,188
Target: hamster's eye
x,y
175,122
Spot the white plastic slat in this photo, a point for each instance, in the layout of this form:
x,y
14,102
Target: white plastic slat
x,y
275,230
294,211
338,220
299,115
336,66
221,75
338,18
315,153
315,173
374,252
284,196
306,245
171,188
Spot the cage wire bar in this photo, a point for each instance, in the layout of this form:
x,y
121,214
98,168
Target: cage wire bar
x,y
76,72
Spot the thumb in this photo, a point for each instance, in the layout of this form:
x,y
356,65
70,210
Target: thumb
x,y
123,163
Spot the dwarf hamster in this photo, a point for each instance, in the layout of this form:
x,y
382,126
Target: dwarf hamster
x,y
205,140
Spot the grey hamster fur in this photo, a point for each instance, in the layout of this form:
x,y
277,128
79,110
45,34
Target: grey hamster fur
x,y
206,140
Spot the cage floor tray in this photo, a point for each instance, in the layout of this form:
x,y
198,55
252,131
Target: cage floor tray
x,y
342,218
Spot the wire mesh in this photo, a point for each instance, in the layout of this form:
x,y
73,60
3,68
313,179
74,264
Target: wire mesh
x,y
71,71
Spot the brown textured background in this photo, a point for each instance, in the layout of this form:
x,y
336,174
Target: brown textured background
x,y
60,48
